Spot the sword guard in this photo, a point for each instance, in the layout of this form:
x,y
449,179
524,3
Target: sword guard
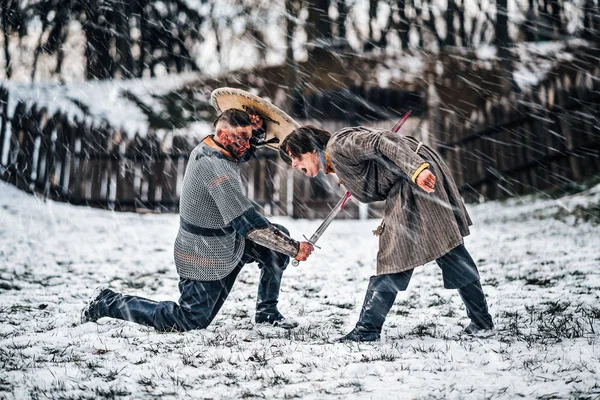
x,y
312,244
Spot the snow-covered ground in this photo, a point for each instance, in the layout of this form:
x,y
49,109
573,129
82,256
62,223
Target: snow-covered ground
x,y
539,261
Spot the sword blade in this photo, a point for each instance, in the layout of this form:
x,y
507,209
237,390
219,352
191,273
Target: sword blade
x,y
330,217
340,205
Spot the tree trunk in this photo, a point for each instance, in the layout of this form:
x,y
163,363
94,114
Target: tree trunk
x,y
556,18
529,24
141,62
403,25
289,32
590,20
319,24
60,54
462,33
123,40
502,42
38,49
372,21
341,18
62,27
99,63
450,39
8,5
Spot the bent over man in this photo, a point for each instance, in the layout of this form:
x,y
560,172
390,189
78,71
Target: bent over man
x,y
420,224
220,231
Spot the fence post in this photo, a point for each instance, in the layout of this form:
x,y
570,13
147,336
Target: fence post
x,y
46,167
124,193
77,181
64,137
114,167
96,147
4,147
171,171
152,167
20,119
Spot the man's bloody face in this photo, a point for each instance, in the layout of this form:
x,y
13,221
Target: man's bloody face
x,y
307,163
237,139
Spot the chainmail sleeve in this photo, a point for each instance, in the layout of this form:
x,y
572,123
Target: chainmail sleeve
x,y
275,239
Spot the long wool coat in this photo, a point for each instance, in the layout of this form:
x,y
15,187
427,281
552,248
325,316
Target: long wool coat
x,y
376,165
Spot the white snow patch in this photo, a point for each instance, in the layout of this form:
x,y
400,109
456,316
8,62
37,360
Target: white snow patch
x,y
539,271
104,98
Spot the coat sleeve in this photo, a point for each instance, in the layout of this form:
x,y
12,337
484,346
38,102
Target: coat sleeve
x,y
393,146
364,144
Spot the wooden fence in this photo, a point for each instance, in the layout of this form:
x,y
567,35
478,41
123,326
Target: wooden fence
x,y
86,163
90,163
545,139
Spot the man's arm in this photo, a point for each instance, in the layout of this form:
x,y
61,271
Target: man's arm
x,y
238,211
367,144
257,228
395,148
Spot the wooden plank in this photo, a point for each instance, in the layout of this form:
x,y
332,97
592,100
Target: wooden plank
x,y
47,153
74,192
124,193
65,136
4,132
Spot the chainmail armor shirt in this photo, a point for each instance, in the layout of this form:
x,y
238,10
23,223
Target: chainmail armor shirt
x,y
211,197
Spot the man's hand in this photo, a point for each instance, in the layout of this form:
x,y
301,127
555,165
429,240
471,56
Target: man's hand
x,y
304,251
257,121
426,181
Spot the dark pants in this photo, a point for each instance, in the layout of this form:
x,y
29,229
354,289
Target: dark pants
x,y
200,301
458,271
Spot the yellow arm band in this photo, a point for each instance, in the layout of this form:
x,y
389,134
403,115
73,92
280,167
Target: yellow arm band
x,y
418,171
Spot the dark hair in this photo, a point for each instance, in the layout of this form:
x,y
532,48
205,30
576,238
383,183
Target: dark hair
x,y
303,140
234,117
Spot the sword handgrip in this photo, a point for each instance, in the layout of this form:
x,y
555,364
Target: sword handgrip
x,y
295,262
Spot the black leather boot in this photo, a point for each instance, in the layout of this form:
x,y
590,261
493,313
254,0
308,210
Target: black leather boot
x,y
89,312
267,299
372,316
120,306
477,308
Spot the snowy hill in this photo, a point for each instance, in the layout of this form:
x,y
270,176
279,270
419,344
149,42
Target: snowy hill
x,y
538,260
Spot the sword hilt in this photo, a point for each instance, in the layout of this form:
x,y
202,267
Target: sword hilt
x,y
347,196
295,262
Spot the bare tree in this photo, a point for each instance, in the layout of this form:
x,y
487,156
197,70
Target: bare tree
x,y
503,43
450,39
403,26
318,24
9,15
591,20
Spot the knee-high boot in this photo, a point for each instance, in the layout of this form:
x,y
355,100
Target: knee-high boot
x,y
268,294
128,308
477,308
372,316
